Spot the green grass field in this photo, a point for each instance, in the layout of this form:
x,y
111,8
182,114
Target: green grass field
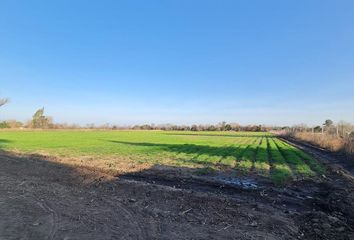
x,y
248,153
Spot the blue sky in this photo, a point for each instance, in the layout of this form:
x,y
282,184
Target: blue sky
x,y
184,62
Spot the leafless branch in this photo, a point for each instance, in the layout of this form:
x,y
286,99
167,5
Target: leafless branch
x,y
3,101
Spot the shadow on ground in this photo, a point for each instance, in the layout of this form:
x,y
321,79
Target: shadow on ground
x,y
42,198
3,142
197,150
236,158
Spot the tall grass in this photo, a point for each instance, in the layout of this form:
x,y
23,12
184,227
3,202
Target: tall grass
x,y
328,141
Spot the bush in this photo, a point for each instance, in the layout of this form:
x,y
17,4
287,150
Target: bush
x,y
4,124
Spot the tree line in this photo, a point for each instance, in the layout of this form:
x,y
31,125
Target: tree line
x,y
340,129
41,121
222,126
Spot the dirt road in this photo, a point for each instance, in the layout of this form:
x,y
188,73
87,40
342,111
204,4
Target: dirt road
x,y
45,200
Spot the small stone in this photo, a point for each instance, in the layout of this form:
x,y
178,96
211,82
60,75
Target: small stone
x,y
340,229
326,225
254,224
333,219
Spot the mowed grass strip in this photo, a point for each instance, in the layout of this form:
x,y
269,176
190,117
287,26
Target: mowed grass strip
x,y
280,170
299,166
262,160
310,161
234,151
247,159
228,157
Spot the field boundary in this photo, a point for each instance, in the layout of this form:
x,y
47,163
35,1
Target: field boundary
x,y
337,163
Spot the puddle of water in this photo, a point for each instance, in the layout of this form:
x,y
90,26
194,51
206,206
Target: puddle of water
x,y
243,183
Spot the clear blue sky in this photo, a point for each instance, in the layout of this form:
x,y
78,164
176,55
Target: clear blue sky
x,y
183,61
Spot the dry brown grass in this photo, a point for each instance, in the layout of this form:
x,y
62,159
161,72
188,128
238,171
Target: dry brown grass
x,y
349,146
326,141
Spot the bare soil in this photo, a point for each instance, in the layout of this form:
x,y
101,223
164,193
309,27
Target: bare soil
x,y
42,199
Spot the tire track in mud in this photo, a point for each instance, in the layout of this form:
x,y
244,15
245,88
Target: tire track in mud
x,y
140,232
31,191
55,218
24,213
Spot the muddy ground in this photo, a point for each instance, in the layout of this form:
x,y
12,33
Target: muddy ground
x,y
45,200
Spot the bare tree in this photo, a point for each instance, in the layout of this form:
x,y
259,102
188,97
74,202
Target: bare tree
x,y
3,101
